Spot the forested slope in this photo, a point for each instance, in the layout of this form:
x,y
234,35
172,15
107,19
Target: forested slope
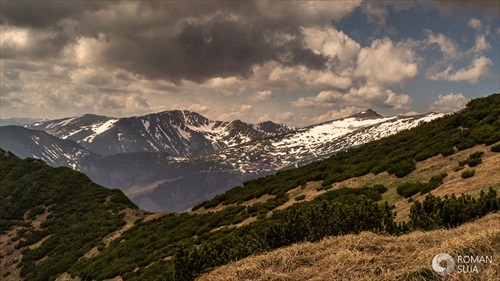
x,y
50,217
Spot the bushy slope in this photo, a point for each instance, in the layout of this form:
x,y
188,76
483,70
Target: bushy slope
x,y
72,215
181,246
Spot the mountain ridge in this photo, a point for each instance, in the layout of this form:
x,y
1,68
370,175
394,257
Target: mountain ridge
x,y
179,132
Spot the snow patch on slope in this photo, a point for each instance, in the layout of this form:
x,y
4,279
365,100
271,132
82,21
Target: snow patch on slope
x,y
100,128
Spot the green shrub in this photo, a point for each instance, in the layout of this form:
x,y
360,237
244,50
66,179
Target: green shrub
x,y
495,148
475,161
468,174
409,189
477,154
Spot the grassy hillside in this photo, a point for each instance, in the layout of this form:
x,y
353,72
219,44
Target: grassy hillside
x,y
350,193
368,256
50,217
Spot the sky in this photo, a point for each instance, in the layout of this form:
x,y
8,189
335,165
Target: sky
x,y
297,63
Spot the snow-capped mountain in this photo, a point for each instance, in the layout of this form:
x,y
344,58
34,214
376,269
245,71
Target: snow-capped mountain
x,y
178,132
184,182
163,181
38,144
315,142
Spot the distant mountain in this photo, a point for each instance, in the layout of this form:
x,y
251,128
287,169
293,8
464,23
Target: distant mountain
x,y
161,180
314,142
19,121
178,132
38,144
158,182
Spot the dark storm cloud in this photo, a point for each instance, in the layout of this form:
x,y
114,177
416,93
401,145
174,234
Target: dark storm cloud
x,y
215,49
44,14
169,40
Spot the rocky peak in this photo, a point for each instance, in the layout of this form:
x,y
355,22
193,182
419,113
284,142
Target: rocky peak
x,y
368,113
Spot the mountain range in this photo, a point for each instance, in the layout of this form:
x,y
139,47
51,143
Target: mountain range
x,y
178,132
172,160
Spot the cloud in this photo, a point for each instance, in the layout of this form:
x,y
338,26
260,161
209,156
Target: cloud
x,y
90,76
475,23
230,86
453,58
199,108
336,114
447,47
274,75
376,12
387,63
262,96
479,68
65,99
448,103
363,97
246,108
340,49
286,117
480,45
178,41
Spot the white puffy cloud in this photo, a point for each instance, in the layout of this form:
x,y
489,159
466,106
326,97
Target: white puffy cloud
x,y
480,45
275,75
199,108
475,23
447,47
262,96
362,97
246,108
386,63
448,103
478,68
230,86
444,69
340,48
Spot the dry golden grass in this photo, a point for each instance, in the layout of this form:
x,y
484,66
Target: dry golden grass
x,y
369,256
487,174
